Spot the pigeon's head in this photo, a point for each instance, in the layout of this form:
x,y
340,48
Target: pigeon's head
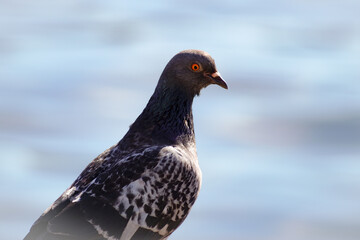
x,y
191,70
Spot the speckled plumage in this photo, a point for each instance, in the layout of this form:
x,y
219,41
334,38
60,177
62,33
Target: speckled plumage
x,y
144,186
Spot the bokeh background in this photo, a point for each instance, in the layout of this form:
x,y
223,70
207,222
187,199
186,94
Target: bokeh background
x,y
280,150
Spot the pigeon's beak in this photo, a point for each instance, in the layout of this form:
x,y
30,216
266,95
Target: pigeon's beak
x,y
216,79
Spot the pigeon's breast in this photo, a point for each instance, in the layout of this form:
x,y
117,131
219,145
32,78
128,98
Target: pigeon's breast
x,y
180,163
180,175
180,167
162,198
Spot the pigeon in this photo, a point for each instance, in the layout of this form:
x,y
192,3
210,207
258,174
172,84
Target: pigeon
x,y
144,186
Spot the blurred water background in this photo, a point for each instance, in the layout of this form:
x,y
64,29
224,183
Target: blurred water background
x,y
280,150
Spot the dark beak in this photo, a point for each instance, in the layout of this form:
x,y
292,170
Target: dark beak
x,y
216,79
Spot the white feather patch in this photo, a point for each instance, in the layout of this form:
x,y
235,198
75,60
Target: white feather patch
x,y
129,231
103,233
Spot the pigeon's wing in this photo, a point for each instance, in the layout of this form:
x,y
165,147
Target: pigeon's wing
x,y
39,230
101,206
87,219
67,222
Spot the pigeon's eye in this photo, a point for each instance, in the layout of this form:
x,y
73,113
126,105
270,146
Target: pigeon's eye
x,y
195,67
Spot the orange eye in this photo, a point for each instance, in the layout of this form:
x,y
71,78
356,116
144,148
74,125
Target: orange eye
x,y
195,67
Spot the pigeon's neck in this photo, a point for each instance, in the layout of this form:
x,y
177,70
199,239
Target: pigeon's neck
x,y
167,118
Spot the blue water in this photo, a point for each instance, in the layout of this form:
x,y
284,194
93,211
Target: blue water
x,y
279,150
